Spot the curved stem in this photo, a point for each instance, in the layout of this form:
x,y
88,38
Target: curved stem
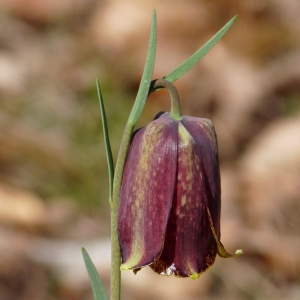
x,y
175,101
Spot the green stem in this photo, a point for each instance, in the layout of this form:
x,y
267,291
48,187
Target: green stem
x,y
115,286
175,101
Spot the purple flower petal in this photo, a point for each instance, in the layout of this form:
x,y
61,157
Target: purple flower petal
x,y
147,192
190,247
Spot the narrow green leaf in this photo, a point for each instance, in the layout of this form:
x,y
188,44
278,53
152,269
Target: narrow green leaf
x,y
109,156
146,78
96,283
192,60
125,143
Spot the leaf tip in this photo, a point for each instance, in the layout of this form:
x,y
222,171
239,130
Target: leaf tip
x,y
154,16
98,84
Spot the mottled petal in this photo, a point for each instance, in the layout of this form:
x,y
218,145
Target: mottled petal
x,y
203,132
147,192
190,247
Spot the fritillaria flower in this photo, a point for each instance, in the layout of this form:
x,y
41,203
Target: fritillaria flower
x,y
169,213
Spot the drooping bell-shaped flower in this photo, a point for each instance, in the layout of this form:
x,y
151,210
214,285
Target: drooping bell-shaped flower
x,y
169,213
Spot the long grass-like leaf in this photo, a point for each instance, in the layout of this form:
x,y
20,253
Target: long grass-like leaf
x,y
109,156
97,285
125,143
192,60
146,78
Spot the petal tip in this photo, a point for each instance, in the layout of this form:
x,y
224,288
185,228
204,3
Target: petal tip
x,y
238,252
195,276
126,267
123,268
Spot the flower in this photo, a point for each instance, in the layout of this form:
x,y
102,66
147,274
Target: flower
x,y
169,213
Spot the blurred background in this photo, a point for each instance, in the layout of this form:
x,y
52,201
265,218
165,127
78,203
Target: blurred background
x,y
53,172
